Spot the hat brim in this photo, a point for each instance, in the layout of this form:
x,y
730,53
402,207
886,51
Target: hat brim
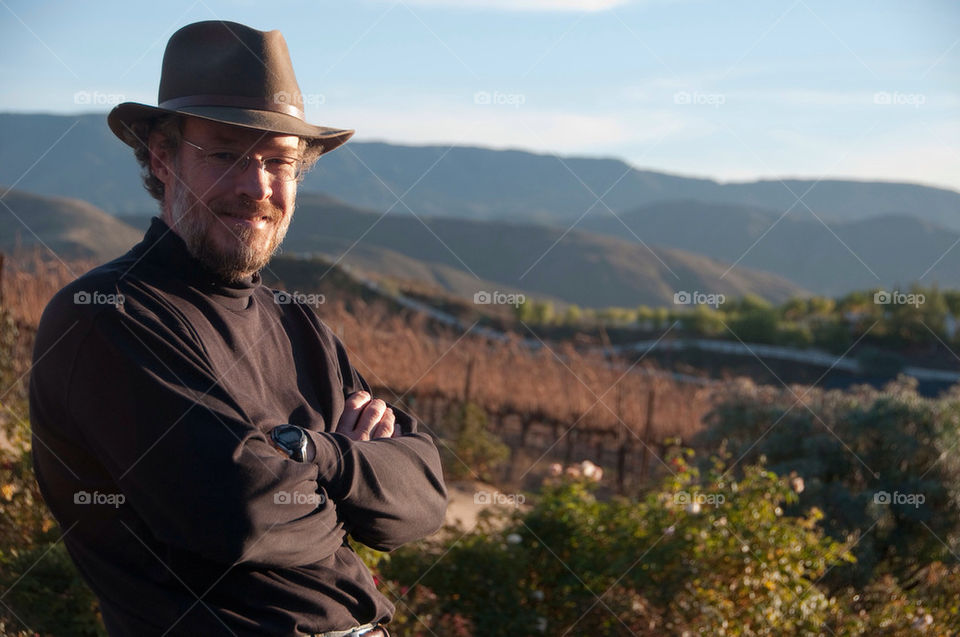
x,y
123,116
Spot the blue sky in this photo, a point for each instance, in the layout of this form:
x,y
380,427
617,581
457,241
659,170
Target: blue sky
x,y
728,90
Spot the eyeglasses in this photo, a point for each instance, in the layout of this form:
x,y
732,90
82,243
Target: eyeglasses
x,y
228,162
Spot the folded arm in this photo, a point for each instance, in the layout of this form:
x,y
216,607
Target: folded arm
x,y
388,485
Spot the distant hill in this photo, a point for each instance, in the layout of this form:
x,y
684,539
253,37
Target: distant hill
x,y
464,257
84,160
830,258
76,157
71,228
577,267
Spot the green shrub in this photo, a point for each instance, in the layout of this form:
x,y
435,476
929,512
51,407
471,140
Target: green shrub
x,y
474,452
714,555
879,464
47,593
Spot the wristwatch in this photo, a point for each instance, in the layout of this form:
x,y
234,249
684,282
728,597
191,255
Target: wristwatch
x,y
291,440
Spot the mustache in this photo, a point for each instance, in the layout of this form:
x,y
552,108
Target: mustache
x,y
246,208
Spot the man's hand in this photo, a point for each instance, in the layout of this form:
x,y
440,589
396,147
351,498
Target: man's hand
x,y
365,417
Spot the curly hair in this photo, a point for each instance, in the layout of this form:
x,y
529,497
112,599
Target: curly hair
x,y
170,128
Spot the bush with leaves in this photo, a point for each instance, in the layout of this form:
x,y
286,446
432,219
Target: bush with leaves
x,y
881,465
40,589
928,604
472,452
714,554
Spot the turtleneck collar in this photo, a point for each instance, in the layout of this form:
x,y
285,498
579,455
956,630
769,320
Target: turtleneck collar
x,y
164,248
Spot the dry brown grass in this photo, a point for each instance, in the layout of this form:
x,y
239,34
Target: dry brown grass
x,y
555,384
28,280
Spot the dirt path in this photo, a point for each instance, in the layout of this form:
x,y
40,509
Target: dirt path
x,y
469,498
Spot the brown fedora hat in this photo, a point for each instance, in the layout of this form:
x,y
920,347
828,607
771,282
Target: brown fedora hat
x,y
227,72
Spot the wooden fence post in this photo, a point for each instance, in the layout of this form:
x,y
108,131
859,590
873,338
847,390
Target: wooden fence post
x,y
625,439
647,428
469,380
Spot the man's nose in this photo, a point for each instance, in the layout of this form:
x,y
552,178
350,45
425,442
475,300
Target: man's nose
x,y
253,181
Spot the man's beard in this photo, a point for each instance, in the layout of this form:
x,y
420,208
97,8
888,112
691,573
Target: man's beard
x,y
194,222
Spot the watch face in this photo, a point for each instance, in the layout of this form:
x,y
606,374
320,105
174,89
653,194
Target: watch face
x,y
291,439
288,435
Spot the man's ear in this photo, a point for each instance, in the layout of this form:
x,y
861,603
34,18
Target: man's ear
x,y
161,159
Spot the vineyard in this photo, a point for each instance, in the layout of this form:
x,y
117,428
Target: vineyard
x,y
553,400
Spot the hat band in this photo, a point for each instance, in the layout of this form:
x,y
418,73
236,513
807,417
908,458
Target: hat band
x,y
280,103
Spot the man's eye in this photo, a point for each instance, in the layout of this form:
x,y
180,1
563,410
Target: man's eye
x,y
224,157
280,161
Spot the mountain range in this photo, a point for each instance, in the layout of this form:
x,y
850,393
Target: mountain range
x,y
77,156
830,258
595,232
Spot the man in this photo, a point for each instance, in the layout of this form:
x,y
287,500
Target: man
x,y
205,448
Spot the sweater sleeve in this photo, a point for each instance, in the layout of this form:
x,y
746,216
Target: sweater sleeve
x,y
185,455
389,491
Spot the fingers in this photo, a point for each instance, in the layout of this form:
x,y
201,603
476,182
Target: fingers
x,y
366,418
370,417
385,427
352,407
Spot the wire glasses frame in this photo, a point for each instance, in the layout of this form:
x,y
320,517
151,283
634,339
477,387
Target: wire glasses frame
x,y
227,162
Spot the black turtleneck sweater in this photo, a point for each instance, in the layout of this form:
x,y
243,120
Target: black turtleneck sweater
x,y
151,421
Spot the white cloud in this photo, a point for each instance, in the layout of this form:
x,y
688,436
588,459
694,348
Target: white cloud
x,y
504,126
525,5
931,159
660,89
929,156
